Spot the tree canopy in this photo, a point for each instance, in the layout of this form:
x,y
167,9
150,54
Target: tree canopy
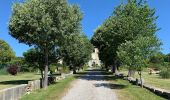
x,y
77,51
127,23
44,24
6,52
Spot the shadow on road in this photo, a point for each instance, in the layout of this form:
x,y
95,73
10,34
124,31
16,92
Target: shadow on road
x,y
110,85
100,75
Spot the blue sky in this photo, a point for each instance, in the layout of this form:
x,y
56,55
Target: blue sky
x,y
95,12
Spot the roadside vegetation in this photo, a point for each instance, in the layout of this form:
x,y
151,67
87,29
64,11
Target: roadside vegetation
x,y
133,92
126,91
154,80
8,80
54,91
52,28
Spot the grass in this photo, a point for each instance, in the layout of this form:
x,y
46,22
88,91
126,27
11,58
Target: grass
x,y
132,92
3,72
21,78
55,91
126,91
154,80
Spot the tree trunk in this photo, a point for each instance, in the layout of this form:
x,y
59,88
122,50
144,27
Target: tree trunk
x,y
141,81
46,70
42,77
74,70
114,67
131,73
41,71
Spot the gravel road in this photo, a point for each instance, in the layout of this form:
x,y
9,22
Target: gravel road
x,y
90,87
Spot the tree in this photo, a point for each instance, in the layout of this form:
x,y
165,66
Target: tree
x,y
77,51
158,58
136,54
44,23
127,22
35,59
6,53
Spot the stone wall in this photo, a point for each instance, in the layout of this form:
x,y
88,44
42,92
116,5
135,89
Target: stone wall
x,y
14,93
157,91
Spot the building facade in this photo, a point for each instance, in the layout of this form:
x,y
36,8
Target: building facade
x,y
95,61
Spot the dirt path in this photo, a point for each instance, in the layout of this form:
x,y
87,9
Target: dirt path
x,y
91,87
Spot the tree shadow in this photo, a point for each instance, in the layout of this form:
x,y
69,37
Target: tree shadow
x,y
14,82
81,73
95,70
111,85
96,75
54,74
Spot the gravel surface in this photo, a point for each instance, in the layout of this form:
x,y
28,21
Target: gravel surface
x,y
91,87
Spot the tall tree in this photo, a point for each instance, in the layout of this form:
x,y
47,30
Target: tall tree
x,y
6,52
77,51
44,23
127,22
35,58
136,53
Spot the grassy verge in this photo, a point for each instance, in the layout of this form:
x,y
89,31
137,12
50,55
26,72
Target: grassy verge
x,y
21,78
154,80
55,91
132,92
127,91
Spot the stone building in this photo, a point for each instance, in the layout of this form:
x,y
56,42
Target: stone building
x,y
94,58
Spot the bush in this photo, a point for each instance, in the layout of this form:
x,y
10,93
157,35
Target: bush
x,y
12,70
165,74
52,68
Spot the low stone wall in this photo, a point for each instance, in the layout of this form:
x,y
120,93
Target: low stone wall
x,y
14,93
158,91
35,84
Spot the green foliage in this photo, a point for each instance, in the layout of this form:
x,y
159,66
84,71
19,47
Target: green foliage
x,y
64,69
17,61
165,74
77,50
136,53
44,23
6,53
3,72
167,58
34,58
158,58
127,23
54,92
52,68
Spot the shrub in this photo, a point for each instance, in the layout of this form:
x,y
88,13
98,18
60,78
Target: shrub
x,y
52,68
12,70
165,74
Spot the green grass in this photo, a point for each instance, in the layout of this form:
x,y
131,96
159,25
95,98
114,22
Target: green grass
x,y
132,92
54,92
21,78
126,91
3,72
154,80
